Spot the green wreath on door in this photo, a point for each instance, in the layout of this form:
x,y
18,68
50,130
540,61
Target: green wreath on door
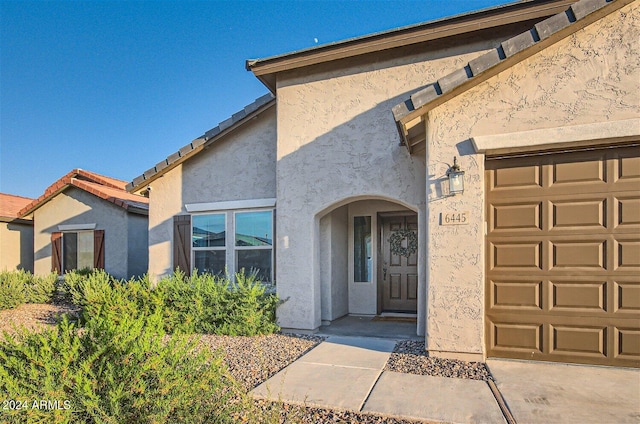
x,y
396,239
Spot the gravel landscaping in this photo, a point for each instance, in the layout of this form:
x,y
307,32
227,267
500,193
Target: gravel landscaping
x,y
410,356
252,360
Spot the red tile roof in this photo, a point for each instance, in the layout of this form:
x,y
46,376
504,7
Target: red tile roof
x,y
10,205
107,188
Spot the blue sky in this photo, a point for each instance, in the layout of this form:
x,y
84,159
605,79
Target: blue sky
x,y
116,86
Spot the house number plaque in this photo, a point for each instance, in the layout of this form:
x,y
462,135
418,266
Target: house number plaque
x,y
454,218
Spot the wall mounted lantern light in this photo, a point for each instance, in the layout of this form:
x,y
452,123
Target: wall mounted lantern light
x,y
456,178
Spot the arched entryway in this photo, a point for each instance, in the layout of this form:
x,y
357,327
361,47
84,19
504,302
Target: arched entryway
x,y
370,262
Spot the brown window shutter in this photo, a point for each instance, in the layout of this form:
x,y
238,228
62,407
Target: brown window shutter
x,y
182,243
56,253
98,249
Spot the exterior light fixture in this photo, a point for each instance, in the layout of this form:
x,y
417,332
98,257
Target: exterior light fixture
x,y
456,178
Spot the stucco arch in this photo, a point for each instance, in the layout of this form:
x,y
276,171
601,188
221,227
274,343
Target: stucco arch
x,y
330,207
339,294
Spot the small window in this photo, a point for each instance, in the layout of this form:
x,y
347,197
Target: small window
x,y
254,243
77,250
209,231
362,264
208,238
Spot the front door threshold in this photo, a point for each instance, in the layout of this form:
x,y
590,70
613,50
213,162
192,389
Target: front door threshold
x,y
399,315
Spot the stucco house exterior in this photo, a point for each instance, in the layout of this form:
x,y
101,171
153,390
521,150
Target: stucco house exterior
x,y
336,185
16,234
88,220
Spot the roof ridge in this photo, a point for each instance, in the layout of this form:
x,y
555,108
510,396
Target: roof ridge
x,y
66,180
208,137
100,178
476,68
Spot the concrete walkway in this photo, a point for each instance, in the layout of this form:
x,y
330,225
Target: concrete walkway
x,y
347,373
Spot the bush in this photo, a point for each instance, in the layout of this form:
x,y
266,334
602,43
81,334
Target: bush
x,y
204,303
113,372
201,303
18,287
12,293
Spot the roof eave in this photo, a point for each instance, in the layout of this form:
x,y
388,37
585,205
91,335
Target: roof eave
x,y
547,32
428,31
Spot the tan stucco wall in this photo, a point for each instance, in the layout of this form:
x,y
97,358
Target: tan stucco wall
x,y
592,76
337,142
74,206
16,246
238,167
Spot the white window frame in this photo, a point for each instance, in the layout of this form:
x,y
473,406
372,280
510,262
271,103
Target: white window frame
x,y
230,248
237,248
226,238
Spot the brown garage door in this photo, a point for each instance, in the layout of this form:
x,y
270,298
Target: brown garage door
x,y
563,257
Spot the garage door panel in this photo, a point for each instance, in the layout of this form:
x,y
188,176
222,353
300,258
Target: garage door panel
x,y
579,340
521,177
513,294
627,343
516,337
563,257
628,213
627,254
579,254
569,214
627,298
579,173
629,166
516,256
572,296
509,218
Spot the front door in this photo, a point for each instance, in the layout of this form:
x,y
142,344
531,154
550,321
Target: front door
x,y
398,269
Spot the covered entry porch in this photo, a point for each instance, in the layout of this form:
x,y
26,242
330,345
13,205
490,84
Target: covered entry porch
x,y
370,265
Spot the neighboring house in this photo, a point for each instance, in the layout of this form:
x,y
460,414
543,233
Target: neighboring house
x,y
87,220
16,234
341,192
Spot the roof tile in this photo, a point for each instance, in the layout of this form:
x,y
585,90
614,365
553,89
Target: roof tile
x,y
212,132
110,189
518,43
226,124
149,171
173,157
586,7
10,205
138,180
454,79
425,95
198,142
484,62
161,165
185,150
552,25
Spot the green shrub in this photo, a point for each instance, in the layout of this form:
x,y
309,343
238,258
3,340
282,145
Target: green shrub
x,y
18,287
12,292
201,303
114,372
204,303
41,288
251,310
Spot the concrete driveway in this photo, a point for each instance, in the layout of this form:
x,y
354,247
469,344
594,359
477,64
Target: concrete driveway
x,y
542,392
